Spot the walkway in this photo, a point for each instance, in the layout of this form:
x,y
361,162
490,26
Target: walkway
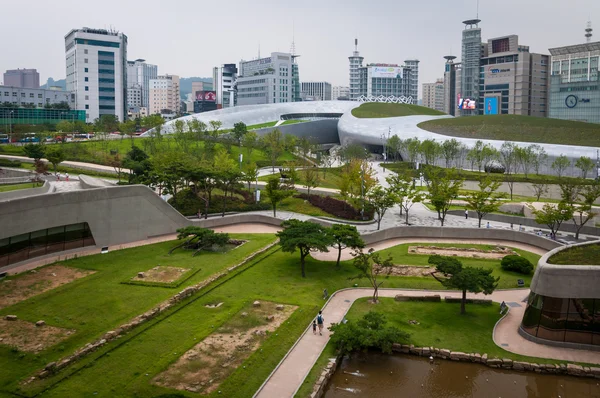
x,y
287,378
68,163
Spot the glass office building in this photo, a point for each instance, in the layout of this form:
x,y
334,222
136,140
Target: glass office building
x,y
471,56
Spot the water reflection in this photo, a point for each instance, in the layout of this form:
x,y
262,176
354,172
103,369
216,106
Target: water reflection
x,y
384,376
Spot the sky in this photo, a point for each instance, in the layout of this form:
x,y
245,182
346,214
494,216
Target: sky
x,y
190,37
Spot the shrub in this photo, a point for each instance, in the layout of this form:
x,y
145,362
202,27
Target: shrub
x,y
517,264
336,207
188,203
9,163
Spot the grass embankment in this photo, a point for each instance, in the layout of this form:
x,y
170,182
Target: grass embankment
x,y
293,121
328,178
381,110
580,255
99,302
517,128
15,187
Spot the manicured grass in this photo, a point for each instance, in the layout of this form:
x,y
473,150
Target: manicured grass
x,y
381,110
517,128
293,121
299,206
328,178
15,187
580,255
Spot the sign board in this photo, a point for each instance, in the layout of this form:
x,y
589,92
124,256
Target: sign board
x,y
258,195
490,106
208,96
386,72
104,250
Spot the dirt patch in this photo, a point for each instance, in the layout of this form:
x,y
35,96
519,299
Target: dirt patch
x,y
210,362
26,336
496,253
410,270
36,282
160,274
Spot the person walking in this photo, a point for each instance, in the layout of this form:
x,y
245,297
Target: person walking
x,y
66,176
466,214
314,326
320,321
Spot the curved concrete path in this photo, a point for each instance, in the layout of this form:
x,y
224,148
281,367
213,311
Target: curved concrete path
x,y
289,375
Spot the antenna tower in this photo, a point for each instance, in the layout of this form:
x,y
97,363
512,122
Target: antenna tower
x,y
588,32
293,47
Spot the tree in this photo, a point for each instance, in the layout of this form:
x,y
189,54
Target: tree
x,y
227,180
539,188
311,178
380,199
64,126
273,146
560,165
304,236
407,194
326,162
413,149
466,279
239,131
486,200
509,158
344,236
128,128
137,161
525,158
443,189
116,163
584,212
450,150
34,151
586,165
430,151
249,141
357,178
55,155
40,168
276,192
539,157
553,215
370,265
393,145
250,173
198,239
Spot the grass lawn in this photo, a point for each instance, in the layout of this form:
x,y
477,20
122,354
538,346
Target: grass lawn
x,y
15,187
518,128
380,110
328,178
97,303
293,121
580,255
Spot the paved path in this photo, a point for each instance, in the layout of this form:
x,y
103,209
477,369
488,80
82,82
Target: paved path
x,y
291,372
68,163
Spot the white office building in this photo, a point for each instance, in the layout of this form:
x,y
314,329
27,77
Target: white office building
x,y
316,91
224,81
266,80
355,75
433,95
96,61
164,95
340,93
139,74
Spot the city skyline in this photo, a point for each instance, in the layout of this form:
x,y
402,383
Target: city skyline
x,y
390,32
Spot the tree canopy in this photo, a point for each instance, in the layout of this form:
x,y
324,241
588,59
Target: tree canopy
x,y
304,236
344,236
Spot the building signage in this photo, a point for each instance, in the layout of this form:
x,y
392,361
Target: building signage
x,y
208,96
386,72
490,106
493,70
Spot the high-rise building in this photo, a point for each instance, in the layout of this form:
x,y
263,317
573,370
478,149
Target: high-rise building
x,y
23,78
575,82
201,86
164,95
96,61
433,95
340,93
355,75
139,74
224,85
134,96
412,65
316,91
452,83
296,90
471,57
35,97
266,80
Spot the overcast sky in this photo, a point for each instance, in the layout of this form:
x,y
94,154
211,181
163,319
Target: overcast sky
x,y
190,37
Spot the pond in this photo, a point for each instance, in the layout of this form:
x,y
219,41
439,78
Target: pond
x,y
383,376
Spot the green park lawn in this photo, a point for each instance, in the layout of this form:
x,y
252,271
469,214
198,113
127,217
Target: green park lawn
x,y
328,178
15,187
579,255
381,110
99,302
518,128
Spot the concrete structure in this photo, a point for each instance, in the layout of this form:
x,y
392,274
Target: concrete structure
x,y
341,93
164,95
36,97
96,61
563,308
433,95
22,78
137,112
139,74
201,86
355,64
316,91
471,56
266,80
575,83
134,96
412,77
452,85
224,85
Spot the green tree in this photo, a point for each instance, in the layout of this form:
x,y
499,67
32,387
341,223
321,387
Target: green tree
x,y
128,128
137,161
344,236
406,193
380,199
239,131
371,266
250,141
560,165
34,151
273,146
198,239
430,150
304,236
289,142
486,200
250,173
443,190
539,189
586,165
64,126
509,159
450,150
311,178
583,212
55,155
413,149
276,192
394,145
466,279
553,215
227,181
539,157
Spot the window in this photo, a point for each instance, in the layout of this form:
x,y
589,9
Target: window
x,y
87,79
85,70
6,93
87,88
87,97
85,60
30,95
87,106
85,51
22,95
40,104
39,95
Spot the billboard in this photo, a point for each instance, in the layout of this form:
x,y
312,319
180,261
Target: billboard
x,y
490,106
386,71
209,96
466,103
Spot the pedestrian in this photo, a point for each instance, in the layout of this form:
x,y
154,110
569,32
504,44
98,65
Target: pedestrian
x,y
488,224
320,322
66,176
314,326
57,176
466,214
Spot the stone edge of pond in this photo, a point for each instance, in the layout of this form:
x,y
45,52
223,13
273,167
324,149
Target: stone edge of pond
x,y
323,381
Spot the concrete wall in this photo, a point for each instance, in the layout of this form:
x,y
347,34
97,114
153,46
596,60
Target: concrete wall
x,y
22,193
322,131
566,281
116,215
88,182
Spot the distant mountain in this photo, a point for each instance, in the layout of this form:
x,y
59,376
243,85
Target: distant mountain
x,y
185,84
51,82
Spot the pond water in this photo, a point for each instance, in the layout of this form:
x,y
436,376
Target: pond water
x,y
383,376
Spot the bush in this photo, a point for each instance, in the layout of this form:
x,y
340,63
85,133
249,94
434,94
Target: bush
x,y
9,163
188,203
517,264
336,207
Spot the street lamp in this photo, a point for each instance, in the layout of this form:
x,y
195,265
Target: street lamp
x,y
10,129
